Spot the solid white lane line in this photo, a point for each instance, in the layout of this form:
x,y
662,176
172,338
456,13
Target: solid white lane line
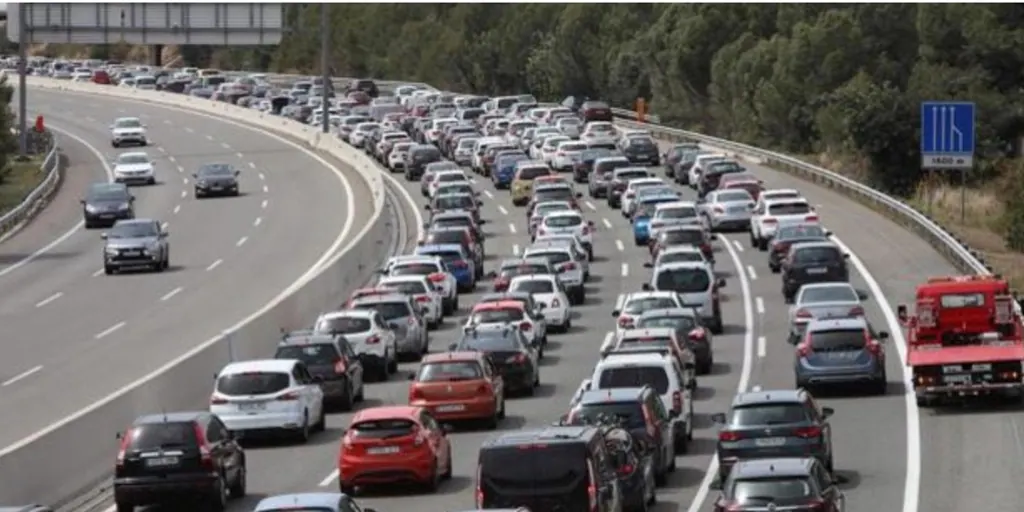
x,y
625,270
214,265
172,293
760,305
738,245
711,474
263,204
49,299
591,206
177,208
241,241
502,210
512,227
762,347
266,189
257,221
619,246
21,376
753,274
607,223
912,480
515,249
181,169
109,330
488,194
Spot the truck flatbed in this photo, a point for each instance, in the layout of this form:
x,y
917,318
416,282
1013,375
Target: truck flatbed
x,y
965,355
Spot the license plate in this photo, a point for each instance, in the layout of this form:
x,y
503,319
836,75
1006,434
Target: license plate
x,y
157,462
382,450
215,187
107,215
817,271
770,442
131,253
957,379
451,408
255,406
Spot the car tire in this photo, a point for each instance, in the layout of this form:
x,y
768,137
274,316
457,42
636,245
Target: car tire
x,y
348,490
881,386
197,194
717,327
762,244
219,501
753,240
682,445
705,368
109,270
152,181
434,480
775,269
346,401
302,435
238,487
115,144
321,422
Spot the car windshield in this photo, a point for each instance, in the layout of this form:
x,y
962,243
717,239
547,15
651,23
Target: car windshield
x,y
637,306
683,280
815,294
677,212
344,325
531,173
408,287
127,123
133,230
816,255
414,269
453,202
674,321
563,221
683,237
533,286
634,377
449,371
838,340
632,175
629,414
493,316
778,413
554,257
108,194
761,491
734,196
252,383
216,170
132,159
388,310
313,354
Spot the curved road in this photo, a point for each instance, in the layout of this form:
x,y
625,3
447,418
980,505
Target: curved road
x,y
90,334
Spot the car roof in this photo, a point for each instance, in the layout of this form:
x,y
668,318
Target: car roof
x,y
328,500
385,412
458,355
361,313
784,396
307,338
675,265
546,246
440,247
549,434
378,299
676,204
646,332
498,304
814,244
837,323
772,468
687,248
564,213
259,365
169,417
617,359
598,396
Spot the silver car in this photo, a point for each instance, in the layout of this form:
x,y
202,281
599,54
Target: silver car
x,y
696,284
542,209
816,301
727,210
568,240
679,253
136,243
566,261
673,213
400,313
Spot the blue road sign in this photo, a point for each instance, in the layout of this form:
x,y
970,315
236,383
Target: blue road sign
x,y
947,135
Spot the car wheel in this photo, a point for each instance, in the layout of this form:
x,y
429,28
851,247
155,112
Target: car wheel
x,y
346,401
109,270
197,194
682,445
238,487
501,404
321,422
348,490
124,507
392,366
303,433
220,501
434,480
753,241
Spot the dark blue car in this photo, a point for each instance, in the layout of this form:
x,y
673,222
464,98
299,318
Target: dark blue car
x,y
505,169
842,351
457,262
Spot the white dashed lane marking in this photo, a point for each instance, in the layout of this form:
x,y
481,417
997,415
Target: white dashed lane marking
x,y
177,208
184,193
266,189
591,206
49,299
262,177
503,210
190,130
619,246
240,155
607,223
625,270
738,245
512,228
225,145
214,265
750,270
109,330
172,293
241,241
98,272
209,137
760,305
257,221
252,165
489,194
263,204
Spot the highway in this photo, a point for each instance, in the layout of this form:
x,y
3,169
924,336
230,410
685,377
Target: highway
x,y
74,335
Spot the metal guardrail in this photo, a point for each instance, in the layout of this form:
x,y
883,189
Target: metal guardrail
x,y
40,196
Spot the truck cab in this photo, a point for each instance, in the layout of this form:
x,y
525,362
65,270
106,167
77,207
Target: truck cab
x,y
964,339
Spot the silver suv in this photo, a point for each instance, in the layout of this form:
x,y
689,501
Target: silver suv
x,y
402,316
136,243
566,262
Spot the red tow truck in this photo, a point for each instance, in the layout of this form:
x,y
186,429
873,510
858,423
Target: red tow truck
x,y
964,340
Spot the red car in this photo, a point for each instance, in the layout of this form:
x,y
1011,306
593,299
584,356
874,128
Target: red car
x,y
459,386
393,445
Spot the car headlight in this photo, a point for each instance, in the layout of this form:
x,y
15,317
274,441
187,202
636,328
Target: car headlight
x,y
90,208
124,206
201,183
111,251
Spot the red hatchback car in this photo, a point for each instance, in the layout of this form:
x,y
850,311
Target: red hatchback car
x,y
394,445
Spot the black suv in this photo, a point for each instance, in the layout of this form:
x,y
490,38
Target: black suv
x,y
798,483
331,361
417,158
812,262
165,458
551,468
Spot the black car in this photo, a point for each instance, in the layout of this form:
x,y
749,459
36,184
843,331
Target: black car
x,y
712,176
641,150
787,236
457,235
595,111
812,262
106,203
674,157
215,180
581,169
365,85
600,178
418,157
550,468
331,361
178,456
511,352
797,483
461,202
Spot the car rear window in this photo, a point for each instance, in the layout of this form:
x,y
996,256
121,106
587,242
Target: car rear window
x,y
534,466
647,341
523,269
683,280
494,341
735,195
253,383
530,173
452,222
383,429
683,237
388,310
630,414
838,340
408,287
453,202
828,294
572,147
414,269
637,306
822,255
675,322
634,377
450,371
756,492
789,209
633,175
553,257
313,354
161,435
677,212
491,316
680,256
768,414
563,221
534,286
344,325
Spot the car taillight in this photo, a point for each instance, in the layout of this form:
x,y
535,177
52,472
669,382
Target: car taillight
x,y
416,394
290,396
459,264
769,220
340,366
122,450
541,231
697,335
808,432
423,298
216,400
592,494
781,247
373,340
874,347
484,389
811,218
625,322
803,314
705,247
677,401
568,266
516,359
817,504
206,458
525,326
585,230
728,436
719,210
626,470
804,349
856,311
479,494
421,437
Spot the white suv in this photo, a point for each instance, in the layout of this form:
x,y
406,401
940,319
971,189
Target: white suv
x,y
433,268
629,307
425,293
547,292
268,394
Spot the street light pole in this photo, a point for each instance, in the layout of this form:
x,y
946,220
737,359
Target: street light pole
x,y
22,88
324,69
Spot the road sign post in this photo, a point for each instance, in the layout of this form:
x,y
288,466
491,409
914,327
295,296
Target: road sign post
x,y
947,141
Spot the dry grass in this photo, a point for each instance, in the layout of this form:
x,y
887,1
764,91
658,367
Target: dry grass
x,y
22,179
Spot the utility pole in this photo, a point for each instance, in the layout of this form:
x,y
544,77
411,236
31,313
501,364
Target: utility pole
x,y
22,88
325,122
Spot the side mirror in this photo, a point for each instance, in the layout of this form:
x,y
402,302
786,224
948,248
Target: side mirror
x,y
103,236
646,287
541,305
579,195
648,264
846,255
131,199
426,207
447,428
382,271
412,377
883,335
718,418
691,385
81,201
714,236
901,312
491,275
164,234
479,203
721,282
424,311
452,347
715,485
828,233
483,221
563,418
615,313
393,326
237,172
827,412
673,414
863,295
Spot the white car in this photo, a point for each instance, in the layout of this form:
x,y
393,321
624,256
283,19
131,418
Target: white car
x,y
423,292
569,126
361,133
700,163
390,138
433,268
599,132
548,292
629,195
128,130
367,334
477,161
436,129
396,158
446,178
539,133
567,153
629,306
268,394
549,148
680,253
134,168
570,222
766,218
